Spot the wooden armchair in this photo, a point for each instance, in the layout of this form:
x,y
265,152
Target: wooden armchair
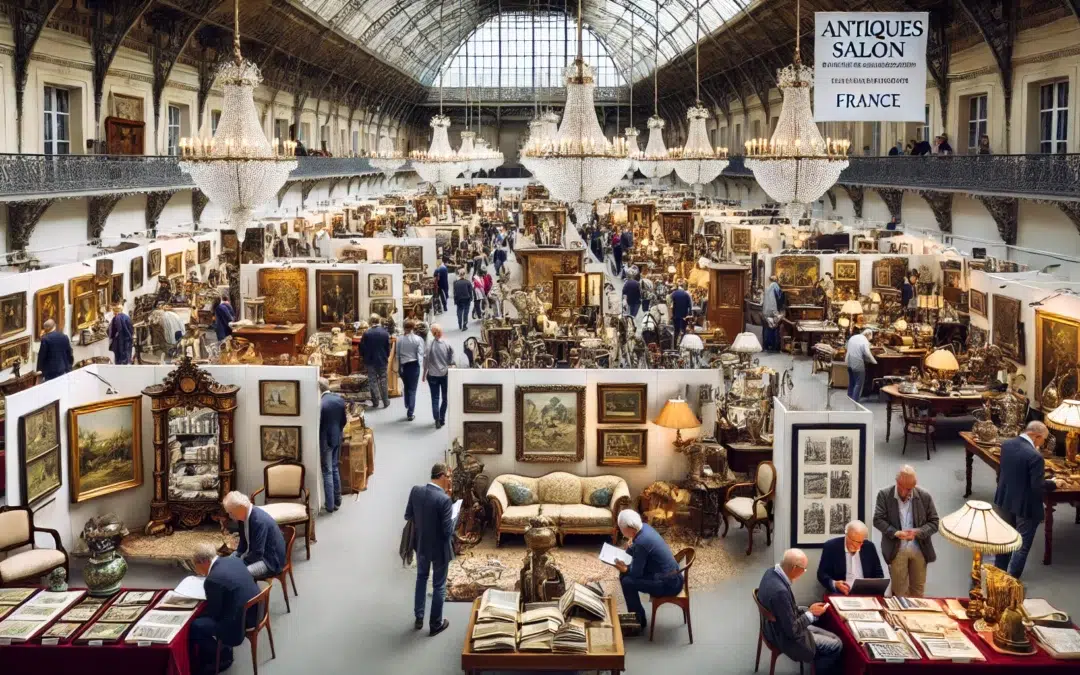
x,y
767,616
918,421
756,509
285,481
685,558
17,531
262,601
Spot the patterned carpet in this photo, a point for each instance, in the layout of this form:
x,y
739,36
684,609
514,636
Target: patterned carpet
x,y
177,546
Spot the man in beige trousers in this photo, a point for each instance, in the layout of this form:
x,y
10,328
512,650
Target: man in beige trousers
x,y
907,519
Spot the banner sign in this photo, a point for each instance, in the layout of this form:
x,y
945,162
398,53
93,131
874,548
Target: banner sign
x,y
870,66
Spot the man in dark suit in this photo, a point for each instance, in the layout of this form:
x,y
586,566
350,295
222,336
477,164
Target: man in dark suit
x,y
375,353
681,303
1020,490
228,587
847,558
332,420
907,519
631,290
55,357
463,293
442,283
430,511
262,548
792,632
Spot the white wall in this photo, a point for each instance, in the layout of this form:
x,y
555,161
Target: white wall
x,y
376,247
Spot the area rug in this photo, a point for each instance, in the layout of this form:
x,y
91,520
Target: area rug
x,y
177,546
484,566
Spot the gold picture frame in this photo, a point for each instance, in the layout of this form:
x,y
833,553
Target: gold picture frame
x,y
84,311
410,257
1057,353
174,264
115,424
550,423
19,347
12,314
568,291
337,297
618,403
740,240
977,302
285,291
845,269
622,447
39,453
153,262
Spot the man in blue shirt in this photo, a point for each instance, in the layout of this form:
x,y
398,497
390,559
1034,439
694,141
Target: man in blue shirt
x,y
631,290
681,304
332,421
375,351
653,569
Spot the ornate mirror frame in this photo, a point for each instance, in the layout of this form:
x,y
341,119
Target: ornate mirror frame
x,y
190,387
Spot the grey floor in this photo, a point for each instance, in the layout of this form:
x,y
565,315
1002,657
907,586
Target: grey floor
x,y
354,612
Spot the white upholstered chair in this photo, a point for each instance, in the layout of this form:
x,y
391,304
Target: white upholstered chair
x,y
286,498
17,532
755,509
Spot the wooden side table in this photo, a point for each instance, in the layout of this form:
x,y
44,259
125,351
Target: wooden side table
x,y
273,341
706,503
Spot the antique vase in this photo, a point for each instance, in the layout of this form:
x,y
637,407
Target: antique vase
x,y
106,568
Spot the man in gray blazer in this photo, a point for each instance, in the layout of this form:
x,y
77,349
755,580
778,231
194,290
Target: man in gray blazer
x,y
907,519
431,512
791,632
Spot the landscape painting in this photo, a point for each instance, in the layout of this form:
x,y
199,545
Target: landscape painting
x,y
622,447
621,403
483,438
39,453
278,443
104,441
482,398
550,423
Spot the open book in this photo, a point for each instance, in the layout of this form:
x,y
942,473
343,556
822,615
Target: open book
x,y
578,597
873,631
610,554
1042,611
1061,643
496,605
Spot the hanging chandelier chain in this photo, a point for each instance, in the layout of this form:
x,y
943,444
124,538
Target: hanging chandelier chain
x,y
236,31
697,55
656,60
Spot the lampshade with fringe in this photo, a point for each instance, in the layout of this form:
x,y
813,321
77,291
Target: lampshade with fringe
x,y
976,526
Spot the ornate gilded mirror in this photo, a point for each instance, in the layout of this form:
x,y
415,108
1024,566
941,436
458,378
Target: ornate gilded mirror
x,y
194,465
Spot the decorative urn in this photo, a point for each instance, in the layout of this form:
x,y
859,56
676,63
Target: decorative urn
x,y
106,567
984,428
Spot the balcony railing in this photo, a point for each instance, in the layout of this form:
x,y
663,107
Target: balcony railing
x,y
1055,176
496,95
30,176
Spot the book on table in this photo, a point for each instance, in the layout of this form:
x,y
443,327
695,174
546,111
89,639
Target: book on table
x,y
492,629
892,651
499,643
933,623
496,605
861,615
873,631
846,603
547,613
953,646
571,638
1042,612
1061,643
579,599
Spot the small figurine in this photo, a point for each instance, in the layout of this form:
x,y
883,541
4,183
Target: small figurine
x,y
56,581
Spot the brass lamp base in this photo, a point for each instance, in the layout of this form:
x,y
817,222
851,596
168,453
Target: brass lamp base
x,y
976,601
694,455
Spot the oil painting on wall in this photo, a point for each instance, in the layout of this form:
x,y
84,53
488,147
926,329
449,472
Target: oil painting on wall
x,y
622,447
277,443
104,442
483,438
39,453
621,403
285,291
1007,333
1057,355
550,423
48,304
336,298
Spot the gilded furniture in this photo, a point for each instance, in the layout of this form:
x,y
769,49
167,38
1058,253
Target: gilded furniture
x,y
685,558
271,341
17,530
262,600
289,533
563,497
193,439
284,481
918,421
766,615
756,509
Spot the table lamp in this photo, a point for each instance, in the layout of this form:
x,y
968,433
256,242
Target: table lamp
x,y
943,364
976,526
852,309
1066,417
676,414
745,345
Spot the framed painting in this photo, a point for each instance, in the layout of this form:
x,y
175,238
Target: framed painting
x,y
253,248
410,257
550,421
1006,331
19,348
279,398
740,240
677,226
829,475
103,269
205,251
384,308
153,262
337,297
84,311
353,254
977,337
39,453
12,314
622,447
136,273
285,291
229,242
1057,353
380,286
124,137
889,272
845,270
79,285
104,441
482,398
483,438
104,292
568,291
796,271
174,264
621,403
278,443
48,305
977,302
116,289
189,258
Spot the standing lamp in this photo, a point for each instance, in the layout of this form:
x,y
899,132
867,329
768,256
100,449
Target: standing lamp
x,y
745,345
851,309
677,415
976,526
943,365
1066,417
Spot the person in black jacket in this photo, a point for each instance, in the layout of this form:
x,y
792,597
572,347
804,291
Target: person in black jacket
x,y
55,357
332,421
463,292
1020,489
631,290
792,632
229,586
681,304
442,284
375,352
847,558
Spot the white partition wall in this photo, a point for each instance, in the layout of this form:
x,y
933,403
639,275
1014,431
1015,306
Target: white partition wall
x,y
376,247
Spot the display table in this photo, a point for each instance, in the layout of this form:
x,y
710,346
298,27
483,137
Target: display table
x,y
272,341
117,658
744,456
474,663
1066,494
939,405
856,660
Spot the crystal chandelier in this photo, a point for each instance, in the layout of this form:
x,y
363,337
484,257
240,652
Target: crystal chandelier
x,y
580,165
796,166
387,159
440,164
698,163
238,169
470,163
655,162
488,158
630,134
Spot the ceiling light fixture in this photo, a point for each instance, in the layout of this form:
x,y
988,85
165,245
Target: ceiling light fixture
x,y
655,162
630,134
440,164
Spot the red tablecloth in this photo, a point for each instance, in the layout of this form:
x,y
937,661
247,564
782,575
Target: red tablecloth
x,y
109,659
856,661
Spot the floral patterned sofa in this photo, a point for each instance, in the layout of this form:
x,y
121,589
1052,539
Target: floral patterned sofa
x,y
578,505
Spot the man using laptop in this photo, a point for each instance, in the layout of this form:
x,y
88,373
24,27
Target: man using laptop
x,y
849,558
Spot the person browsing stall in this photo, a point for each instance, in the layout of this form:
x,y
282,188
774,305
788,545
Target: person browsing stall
x,y
55,357
792,632
410,350
229,587
262,548
858,355
332,421
1020,490
375,352
653,569
907,519
847,558
440,357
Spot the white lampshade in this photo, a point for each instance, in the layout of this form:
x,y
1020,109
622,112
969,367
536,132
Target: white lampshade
x,y
1065,417
875,297
746,343
977,527
843,322
851,307
942,359
900,325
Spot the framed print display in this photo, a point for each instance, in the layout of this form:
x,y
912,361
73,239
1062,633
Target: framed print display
x,y
336,298
1057,353
889,272
550,421
84,311
204,251
48,304
483,438
621,403
828,480
594,289
353,255
189,258
977,302
12,314
482,398
622,447
740,240
410,257
116,290
384,308
285,291
1006,331
153,262
380,286
279,398
845,270
79,285
568,291
104,440
19,347
136,273
39,453
277,443
103,269
174,264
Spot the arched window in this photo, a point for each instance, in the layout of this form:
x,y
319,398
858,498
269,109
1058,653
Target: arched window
x,y
519,49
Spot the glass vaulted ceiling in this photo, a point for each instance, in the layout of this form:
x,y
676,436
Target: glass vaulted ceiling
x,y
407,33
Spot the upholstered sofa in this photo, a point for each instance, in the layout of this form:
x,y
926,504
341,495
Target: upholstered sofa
x,y
567,499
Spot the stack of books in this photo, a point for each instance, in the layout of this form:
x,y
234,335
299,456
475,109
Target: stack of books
x,y
540,621
496,628
579,600
571,638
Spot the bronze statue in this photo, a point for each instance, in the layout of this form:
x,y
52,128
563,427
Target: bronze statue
x,y
541,580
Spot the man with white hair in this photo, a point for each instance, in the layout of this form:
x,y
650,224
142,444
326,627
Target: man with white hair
x,y
907,519
792,632
228,587
262,548
847,558
1020,491
653,569
858,355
